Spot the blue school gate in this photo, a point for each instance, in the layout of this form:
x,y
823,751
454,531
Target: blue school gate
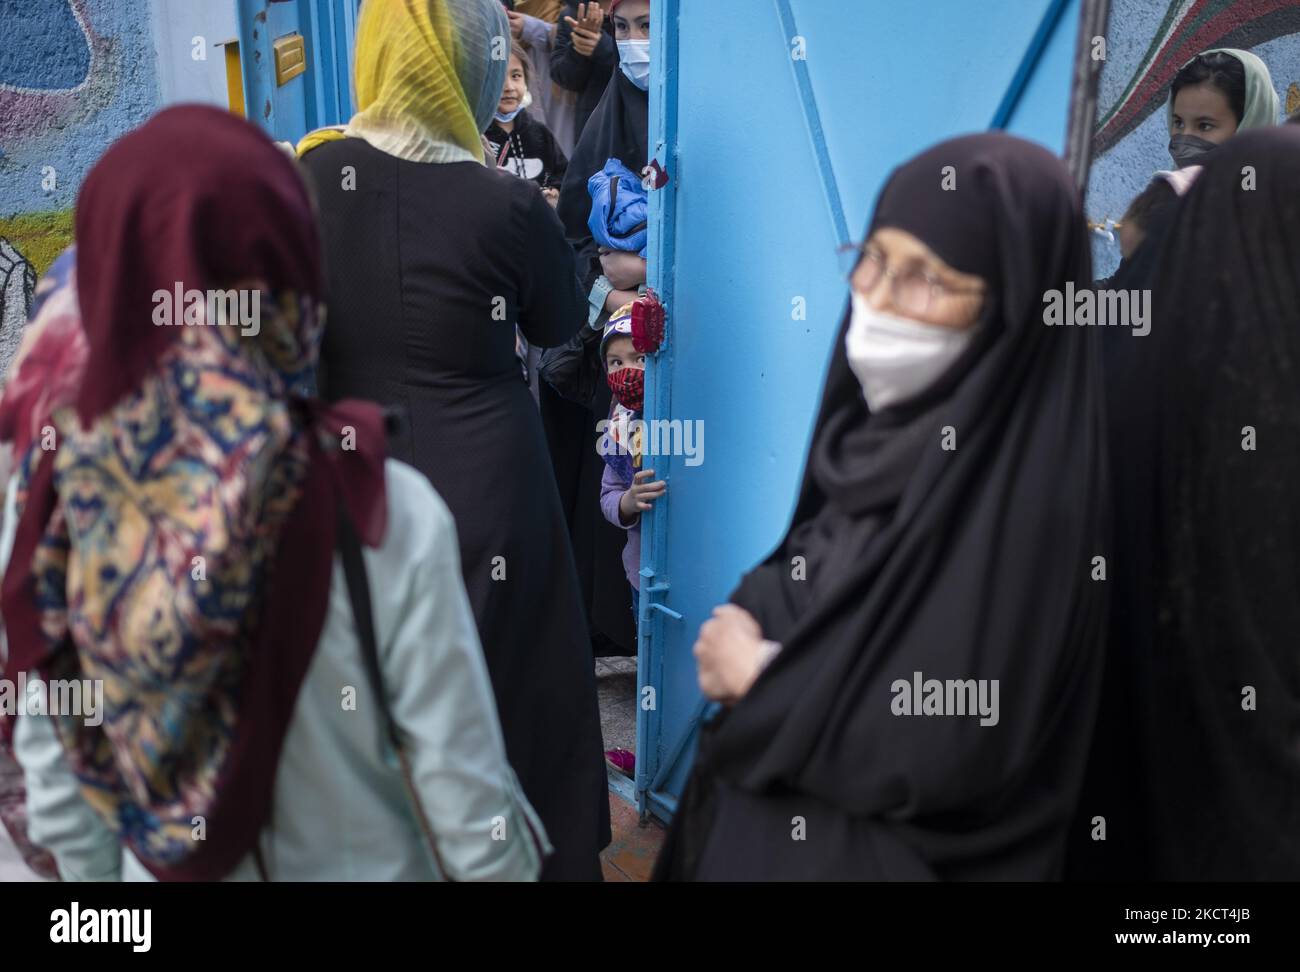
x,y
777,128
296,63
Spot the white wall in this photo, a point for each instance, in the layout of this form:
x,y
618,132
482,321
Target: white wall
x,y
175,25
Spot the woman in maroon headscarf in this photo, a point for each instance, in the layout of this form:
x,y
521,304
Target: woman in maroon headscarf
x,y
170,540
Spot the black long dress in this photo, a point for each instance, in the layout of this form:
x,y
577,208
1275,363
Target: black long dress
x,y
1204,784
429,268
1114,783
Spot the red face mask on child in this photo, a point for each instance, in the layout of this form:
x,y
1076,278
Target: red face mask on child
x,y
628,386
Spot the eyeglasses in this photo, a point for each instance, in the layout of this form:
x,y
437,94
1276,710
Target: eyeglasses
x,y
913,290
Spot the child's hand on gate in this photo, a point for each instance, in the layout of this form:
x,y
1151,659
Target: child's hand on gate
x,y
640,496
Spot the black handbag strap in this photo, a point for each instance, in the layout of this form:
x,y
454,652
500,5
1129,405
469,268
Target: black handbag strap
x,y
354,572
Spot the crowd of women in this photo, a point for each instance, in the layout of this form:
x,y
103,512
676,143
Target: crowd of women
x,y
342,580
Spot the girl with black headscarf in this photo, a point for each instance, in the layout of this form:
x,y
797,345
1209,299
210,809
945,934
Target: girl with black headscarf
x,y
1197,773
952,505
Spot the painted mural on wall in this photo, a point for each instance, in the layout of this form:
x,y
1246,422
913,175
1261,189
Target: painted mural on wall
x,y
74,76
1147,42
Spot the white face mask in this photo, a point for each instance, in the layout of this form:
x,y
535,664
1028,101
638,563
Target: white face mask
x,y
634,61
896,359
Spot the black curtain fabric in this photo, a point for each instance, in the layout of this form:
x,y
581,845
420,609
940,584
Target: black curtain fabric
x,y
1212,776
969,563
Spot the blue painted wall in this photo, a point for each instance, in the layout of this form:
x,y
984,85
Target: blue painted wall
x,y
94,78
74,75
77,74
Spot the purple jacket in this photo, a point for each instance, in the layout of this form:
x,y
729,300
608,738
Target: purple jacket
x,y
612,488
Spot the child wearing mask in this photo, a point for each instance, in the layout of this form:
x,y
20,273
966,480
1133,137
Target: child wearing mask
x,y
524,147
626,489
1215,95
520,144
619,223
618,128
535,25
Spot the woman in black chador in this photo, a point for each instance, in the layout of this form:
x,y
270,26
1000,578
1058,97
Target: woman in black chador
x,y
911,678
1197,766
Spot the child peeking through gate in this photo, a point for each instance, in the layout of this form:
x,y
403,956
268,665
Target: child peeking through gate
x,y
626,490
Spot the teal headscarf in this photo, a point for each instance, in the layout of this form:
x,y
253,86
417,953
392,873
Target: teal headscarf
x,y
1262,103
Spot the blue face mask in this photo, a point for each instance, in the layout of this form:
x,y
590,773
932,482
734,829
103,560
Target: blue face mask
x,y
525,102
634,61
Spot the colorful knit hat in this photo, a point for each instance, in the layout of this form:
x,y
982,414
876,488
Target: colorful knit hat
x,y
620,324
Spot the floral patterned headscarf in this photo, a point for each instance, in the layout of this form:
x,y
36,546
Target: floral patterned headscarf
x,y
175,537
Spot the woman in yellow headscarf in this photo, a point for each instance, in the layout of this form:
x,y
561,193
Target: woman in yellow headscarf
x,y
428,76
433,259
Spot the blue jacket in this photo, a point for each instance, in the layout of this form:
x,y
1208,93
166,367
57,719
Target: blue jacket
x,y
619,209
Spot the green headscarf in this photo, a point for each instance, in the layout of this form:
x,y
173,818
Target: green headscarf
x,y
1262,103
